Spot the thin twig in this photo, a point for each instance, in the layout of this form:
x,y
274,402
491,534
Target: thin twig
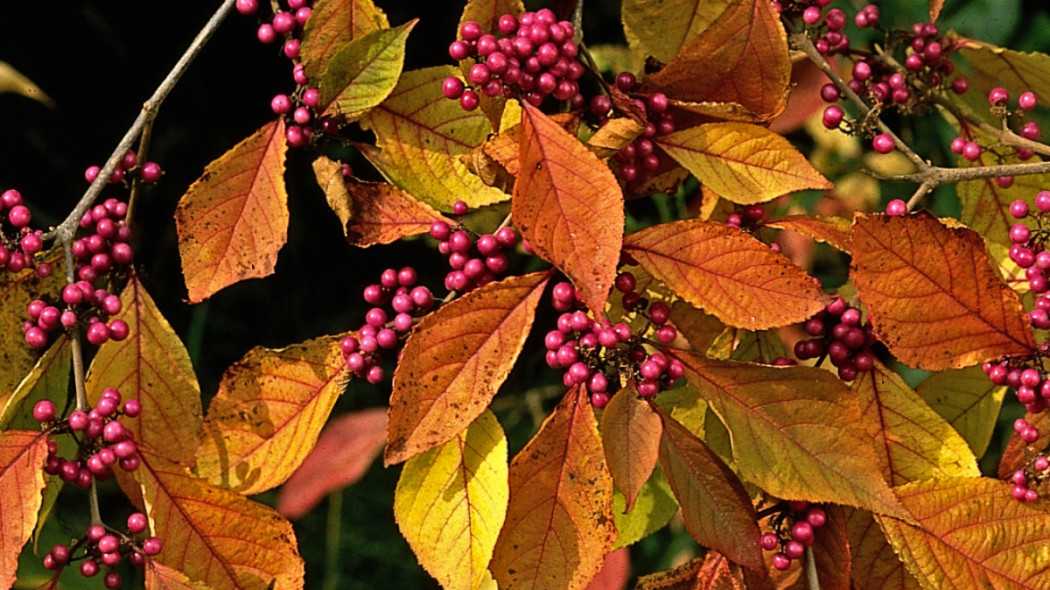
x,y
812,579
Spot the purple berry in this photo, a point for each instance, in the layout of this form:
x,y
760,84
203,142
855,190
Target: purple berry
x,y
883,143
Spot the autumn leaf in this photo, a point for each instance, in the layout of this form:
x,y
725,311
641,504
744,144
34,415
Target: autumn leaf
x,y
569,206
22,457
363,73
834,231
372,212
660,29
968,401
16,291
986,205
268,414
162,577
710,572
420,136
875,564
911,441
487,12
1017,454
455,361
48,379
715,506
344,451
971,534
743,163
832,559
796,431
615,571
631,438
217,536
334,24
744,58
654,507
727,273
234,219
559,522
451,501
935,9
614,135
932,296
13,81
1017,71
152,366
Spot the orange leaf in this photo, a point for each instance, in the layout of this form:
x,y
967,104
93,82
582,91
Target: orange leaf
x,y
455,361
659,29
743,163
162,577
344,451
569,206
332,25
1017,454
268,414
796,431
932,295
151,365
234,219
559,523
935,9
631,437
744,58
971,534
715,506
833,231
710,572
875,564
727,273
22,457
217,536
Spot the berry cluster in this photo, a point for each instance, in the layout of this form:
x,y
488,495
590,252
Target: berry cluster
x,y
300,108
639,159
100,545
127,169
596,353
794,525
839,335
473,262
533,57
18,243
102,439
998,98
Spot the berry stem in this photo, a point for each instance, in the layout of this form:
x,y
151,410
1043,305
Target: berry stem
x,y
812,579
96,515
143,155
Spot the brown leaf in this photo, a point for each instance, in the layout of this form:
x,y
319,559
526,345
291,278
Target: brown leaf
x,y
22,457
1016,454
162,577
932,296
234,219
831,558
744,58
834,231
569,206
559,523
727,273
334,24
631,438
710,572
344,451
935,9
616,134
455,361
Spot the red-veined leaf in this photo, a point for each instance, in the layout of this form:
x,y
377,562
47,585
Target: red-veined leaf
x,y
234,219
743,163
363,73
569,206
631,437
796,431
455,361
968,401
727,273
834,231
933,298
162,577
344,451
744,58
715,506
985,204
332,25
268,414
660,29
22,457
971,534
615,572
450,503
710,572
559,522
875,564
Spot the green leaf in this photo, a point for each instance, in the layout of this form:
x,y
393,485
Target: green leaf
x,y
968,401
364,72
332,25
653,509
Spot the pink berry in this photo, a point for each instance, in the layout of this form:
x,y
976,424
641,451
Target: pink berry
x,y
769,541
469,101
151,546
266,34
998,96
1027,100
896,207
44,411
89,568
452,88
883,143
971,151
247,7
781,561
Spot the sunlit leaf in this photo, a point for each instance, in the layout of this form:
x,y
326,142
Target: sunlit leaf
x,y
935,9
834,231
700,328
16,291
487,12
450,503
48,379
217,536
727,273
420,136
569,206
875,564
364,72
911,441
22,457
933,298
710,572
715,506
332,25
344,451
152,366
631,438
659,29
11,80
971,534
1017,71
744,58
455,361
162,577
559,523
743,163
234,219
796,431
268,413
968,401
654,507
986,205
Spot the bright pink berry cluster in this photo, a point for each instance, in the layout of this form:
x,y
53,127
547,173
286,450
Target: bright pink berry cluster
x,y
998,100
1028,479
827,29
104,547
19,244
532,57
473,262
640,159
127,169
840,335
794,528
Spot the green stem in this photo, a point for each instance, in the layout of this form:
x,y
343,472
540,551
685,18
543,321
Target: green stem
x,y
332,538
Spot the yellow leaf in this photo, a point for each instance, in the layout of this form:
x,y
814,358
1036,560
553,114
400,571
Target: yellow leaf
x,y
334,24
364,72
968,401
16,291
451,501
22,456
49,379
11,80
659,29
